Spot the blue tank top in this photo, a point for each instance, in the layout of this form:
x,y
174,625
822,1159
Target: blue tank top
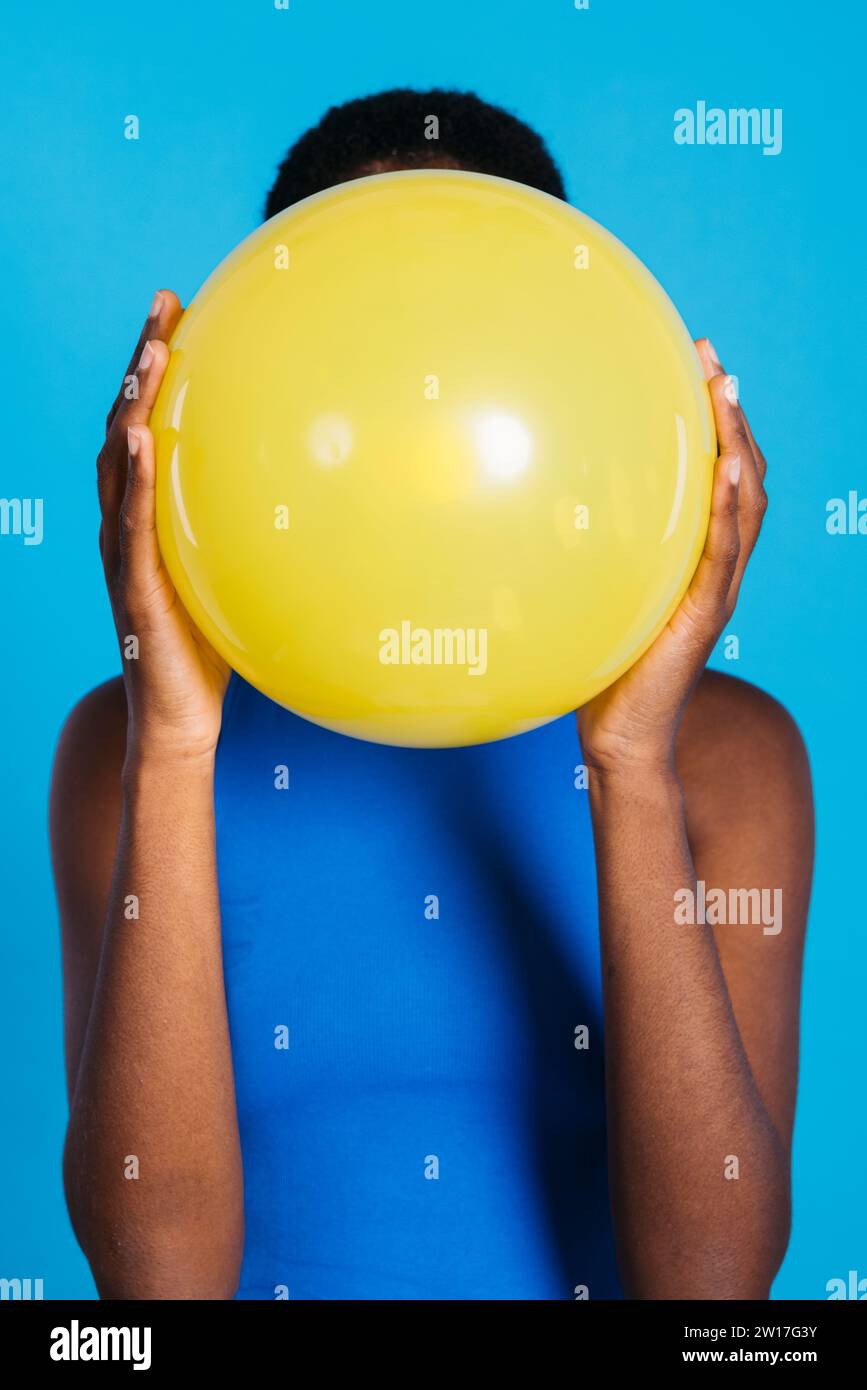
x,y
411,958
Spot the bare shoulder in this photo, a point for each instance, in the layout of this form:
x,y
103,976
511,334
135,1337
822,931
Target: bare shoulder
x,y
86,781
92,742
741,758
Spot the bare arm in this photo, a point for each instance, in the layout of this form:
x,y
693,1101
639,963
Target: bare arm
x,y
152,1163
698,778
701,1022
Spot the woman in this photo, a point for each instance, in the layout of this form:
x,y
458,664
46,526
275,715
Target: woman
x,y
345,1040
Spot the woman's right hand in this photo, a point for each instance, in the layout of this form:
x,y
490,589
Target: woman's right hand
x,y
175,684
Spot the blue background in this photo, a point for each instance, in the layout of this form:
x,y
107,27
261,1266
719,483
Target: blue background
x,y
763,254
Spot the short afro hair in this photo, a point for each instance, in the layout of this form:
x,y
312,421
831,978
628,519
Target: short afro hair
x,y
391,127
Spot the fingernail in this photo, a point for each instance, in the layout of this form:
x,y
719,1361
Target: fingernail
x,y
714,356
730,390
156,306
735,470
146,358
133,440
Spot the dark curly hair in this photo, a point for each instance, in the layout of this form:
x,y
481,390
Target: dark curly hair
x,y
355,138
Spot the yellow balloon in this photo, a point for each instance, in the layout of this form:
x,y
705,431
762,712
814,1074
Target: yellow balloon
x,y
434,458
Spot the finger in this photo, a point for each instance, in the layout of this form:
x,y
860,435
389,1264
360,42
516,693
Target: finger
x,y
753,500
727,414
705,603
734,438
110,483
162,319
112,461
752,515
731,426
141,382
148,375
712,366
733,394
707,355
761,462
136,530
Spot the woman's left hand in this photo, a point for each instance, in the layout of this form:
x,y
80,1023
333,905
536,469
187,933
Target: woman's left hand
x,y
632,725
